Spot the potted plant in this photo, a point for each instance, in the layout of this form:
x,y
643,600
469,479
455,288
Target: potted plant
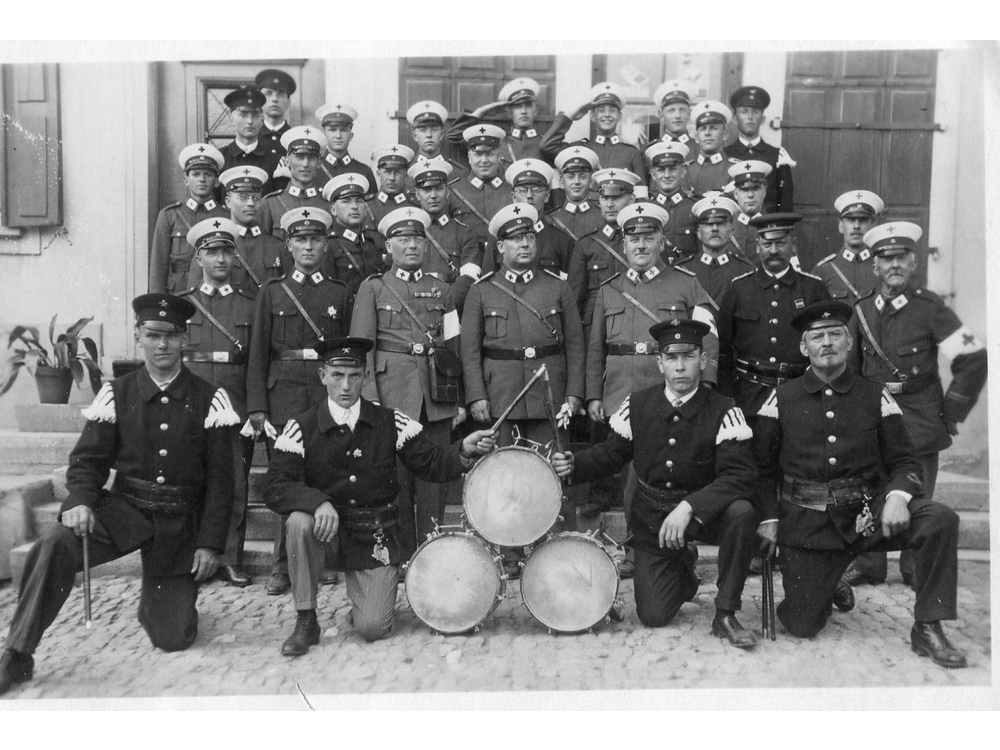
x,y
54,373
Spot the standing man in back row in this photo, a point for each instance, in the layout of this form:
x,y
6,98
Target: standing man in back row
x,y
247,149
847,274
749,103
520,99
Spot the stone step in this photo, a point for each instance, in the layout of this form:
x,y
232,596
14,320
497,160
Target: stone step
x,y
973,530
19,497
960,492
34,452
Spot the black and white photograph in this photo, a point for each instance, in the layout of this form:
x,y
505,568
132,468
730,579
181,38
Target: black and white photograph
x,y
496,375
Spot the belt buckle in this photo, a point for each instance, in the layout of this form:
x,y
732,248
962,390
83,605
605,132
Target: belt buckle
x,y
220,356
529,352
894,388
640,348
418,348
309,354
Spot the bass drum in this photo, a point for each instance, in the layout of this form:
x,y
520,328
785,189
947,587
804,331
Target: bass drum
x,y
569,582
454,581
512,496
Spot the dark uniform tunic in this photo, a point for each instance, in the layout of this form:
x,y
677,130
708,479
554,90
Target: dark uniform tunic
x,y
591,265
282,377
612,152
715,273
355,470
480,199
280,202
465,256
352,255
171,256
263,156
745,237
758,348
178,440
681,230
272,139
577,219
519,143
780,190
382,203
855,278
700,452
214,356
503,343
555,249
621,355
331,165
816,443
265,256
711,172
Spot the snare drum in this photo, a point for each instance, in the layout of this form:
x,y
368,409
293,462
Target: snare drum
x,y
569,582
454,581
512,496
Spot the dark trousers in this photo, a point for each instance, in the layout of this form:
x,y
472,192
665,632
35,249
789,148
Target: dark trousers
x,y
875,564
166,605
664,580
421,503
810,576
236,538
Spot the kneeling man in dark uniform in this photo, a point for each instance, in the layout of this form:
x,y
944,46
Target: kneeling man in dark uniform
x,y
333,473
832,446
690,449
169,435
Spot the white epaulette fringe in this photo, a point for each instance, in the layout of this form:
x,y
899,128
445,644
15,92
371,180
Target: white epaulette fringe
x,y
290,440
620,421
221,413
102,409
406,429
889,405
733,427
770,407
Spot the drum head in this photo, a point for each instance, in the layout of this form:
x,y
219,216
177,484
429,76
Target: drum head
x,y
569,583
512,497
453,582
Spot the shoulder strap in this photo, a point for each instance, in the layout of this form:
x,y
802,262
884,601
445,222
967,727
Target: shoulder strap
x,y
246,266
529,308
563,227
639,306
843,278
471,207
614,253
442,252
352,260
302,311
212,319
409,311
878,349
183,219
510,150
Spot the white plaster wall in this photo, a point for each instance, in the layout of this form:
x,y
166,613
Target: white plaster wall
x,y
371,86
767,70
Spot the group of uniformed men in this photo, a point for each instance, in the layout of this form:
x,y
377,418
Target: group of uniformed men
x,y
745,401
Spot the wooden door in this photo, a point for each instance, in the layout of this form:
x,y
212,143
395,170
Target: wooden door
x,y
464,83
859,120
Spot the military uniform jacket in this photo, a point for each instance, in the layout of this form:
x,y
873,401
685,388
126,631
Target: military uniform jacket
x,y
780,190
555,248
233,308
331,165
278,203
316,461
486,197
591,265
493,319
181,436
465,256
577,219
265,255
171,256
701,449
262,156
612,151
272,139
715,273
283,388
707,173
817,432
382,203
745,237
520,143
855,267
352,255
681,231
668,293
402,380
913,328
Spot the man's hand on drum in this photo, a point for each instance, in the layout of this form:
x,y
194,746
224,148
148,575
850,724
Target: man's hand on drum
x,y
480,410
478,443
326,522
595,410
672,529
767,538
562,463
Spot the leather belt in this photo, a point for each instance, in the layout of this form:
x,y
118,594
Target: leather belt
x,y
911,385
768,374
525,352
369,519
220,358
292,355
667,499
405,347
157,498
640,347
818,495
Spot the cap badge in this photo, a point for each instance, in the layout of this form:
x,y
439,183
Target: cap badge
x,y
163,303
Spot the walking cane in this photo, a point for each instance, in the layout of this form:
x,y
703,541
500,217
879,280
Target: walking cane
x,y
86,578
767,608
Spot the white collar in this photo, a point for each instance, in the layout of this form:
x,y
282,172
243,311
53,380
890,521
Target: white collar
x,y
209,205
224,291
163,385
246,149
602,139
514,277
409,275
300,277
275,130
707,259
849,255
673,397
754,142
343,416
295,192
777,275
713,159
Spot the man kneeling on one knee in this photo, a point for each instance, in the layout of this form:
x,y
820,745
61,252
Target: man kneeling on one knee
x,y
690,448
333,472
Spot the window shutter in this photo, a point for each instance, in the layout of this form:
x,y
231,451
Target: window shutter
x,y
32,168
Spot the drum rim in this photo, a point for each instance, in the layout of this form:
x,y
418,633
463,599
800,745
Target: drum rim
x,y
470,516
501,578
571,536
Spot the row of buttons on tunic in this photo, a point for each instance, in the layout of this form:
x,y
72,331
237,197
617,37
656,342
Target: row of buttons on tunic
x,y
831,438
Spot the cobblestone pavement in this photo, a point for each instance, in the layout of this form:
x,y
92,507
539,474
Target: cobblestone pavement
x,y
237,650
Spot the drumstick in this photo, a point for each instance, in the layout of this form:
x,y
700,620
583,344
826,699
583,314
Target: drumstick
x,y
517,399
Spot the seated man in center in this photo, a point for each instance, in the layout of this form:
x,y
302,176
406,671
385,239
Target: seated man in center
x,y
691,452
